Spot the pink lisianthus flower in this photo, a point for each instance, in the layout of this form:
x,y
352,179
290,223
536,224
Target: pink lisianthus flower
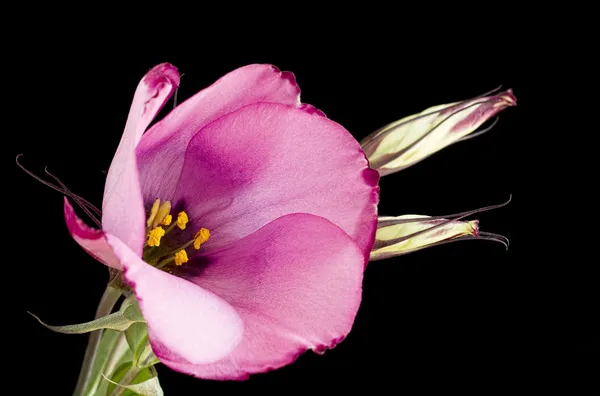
x,y
242,222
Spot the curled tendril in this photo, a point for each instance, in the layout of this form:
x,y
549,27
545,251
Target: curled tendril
x,y
447,219
90,209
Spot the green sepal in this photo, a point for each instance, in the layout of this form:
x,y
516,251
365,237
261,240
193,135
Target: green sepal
x,y
147,358
137,338
145,382
128,314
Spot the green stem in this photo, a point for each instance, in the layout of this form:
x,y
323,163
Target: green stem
x,y
117,354
127,380
107,302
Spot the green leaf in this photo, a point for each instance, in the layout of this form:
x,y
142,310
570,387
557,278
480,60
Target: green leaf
x,y
149,387
147,357
117,376
145,374
145,383
120,321
137,338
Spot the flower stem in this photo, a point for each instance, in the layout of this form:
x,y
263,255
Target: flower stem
x,y
117,354
107,302
127,380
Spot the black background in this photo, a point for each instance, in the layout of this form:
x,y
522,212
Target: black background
x,y
463,315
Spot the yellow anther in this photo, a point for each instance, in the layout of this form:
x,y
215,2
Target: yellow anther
x,y
201,237
155,235
163,211
181,257
167,220
153,212
182,220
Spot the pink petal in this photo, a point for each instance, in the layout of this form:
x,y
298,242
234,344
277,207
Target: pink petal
x,y
90,239
310,109
267,160
168,139
183,318
123,211
297,285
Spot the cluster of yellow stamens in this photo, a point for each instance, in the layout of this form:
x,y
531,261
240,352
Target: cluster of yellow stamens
x,y
160,216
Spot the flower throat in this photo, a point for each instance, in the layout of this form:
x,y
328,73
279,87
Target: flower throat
x,y
160,223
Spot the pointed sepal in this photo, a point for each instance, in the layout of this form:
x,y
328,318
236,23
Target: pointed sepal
x,y
128,314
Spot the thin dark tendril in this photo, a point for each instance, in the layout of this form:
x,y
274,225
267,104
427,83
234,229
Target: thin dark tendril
x,y
413,144
447,219
89,205
473,135
44,182
368,140
420,139
455,216
75,198
177,91
85,205
175,97
498,88
380,244
80,200
386,255
490,236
